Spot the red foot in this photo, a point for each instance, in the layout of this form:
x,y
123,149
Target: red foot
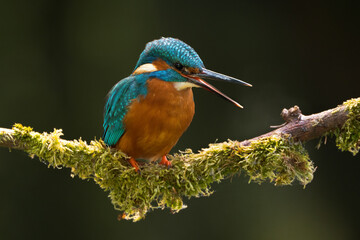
x,y
165,162
133,163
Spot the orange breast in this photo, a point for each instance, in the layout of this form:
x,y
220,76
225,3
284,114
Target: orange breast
x,y
154,123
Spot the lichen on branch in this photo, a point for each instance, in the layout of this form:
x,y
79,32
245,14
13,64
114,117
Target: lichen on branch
x,y
348,136
278,157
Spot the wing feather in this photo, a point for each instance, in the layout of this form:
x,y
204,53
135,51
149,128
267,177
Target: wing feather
x,y
118,102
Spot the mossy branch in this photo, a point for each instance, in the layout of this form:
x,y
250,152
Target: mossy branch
x,y
277,156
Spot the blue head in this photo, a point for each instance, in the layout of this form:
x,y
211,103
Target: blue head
x,y
172,60
172,51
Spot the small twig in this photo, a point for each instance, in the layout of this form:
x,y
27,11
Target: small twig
x,y
304,128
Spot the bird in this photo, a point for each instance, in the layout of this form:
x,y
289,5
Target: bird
x,y
146,113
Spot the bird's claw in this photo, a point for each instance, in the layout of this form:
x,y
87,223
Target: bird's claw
x,y
165,162
133,163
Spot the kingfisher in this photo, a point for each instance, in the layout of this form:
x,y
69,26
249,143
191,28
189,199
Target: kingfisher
x,y
146,113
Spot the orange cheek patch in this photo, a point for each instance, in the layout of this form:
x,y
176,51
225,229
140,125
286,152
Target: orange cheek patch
x,y
160,64
194,70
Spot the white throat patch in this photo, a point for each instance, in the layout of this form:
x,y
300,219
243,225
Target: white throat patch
x,y
183,85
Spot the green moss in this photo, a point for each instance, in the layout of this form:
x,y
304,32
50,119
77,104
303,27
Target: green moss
x,y
348,136
274,159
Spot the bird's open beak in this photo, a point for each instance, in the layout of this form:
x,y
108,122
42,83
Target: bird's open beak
x,y
197,79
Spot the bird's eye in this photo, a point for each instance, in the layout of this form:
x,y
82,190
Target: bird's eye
x,y
179,66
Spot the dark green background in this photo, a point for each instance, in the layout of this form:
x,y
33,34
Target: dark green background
x,y
58,60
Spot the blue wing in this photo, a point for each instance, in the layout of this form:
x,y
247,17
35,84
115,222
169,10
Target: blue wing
x,y
117,105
